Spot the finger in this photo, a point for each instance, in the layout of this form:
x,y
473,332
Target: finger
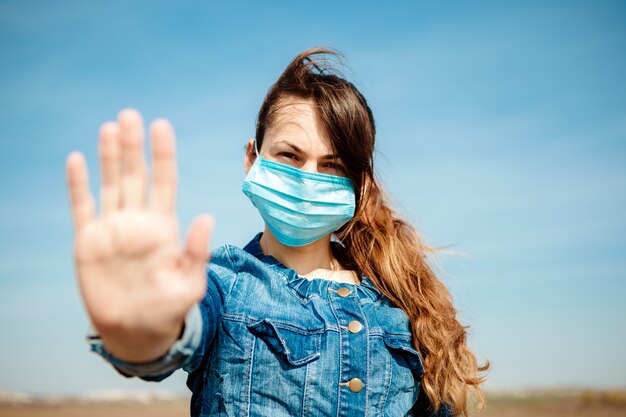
x,y
81,201
132,180
196,253
109,150
164,177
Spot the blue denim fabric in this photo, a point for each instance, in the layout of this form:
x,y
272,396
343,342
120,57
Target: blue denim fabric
x,y
267,342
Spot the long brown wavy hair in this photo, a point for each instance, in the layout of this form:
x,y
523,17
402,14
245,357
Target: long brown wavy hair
x,y
380,244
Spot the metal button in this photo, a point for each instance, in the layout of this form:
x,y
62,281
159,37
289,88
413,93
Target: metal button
x,y
343,291
355,385
354,326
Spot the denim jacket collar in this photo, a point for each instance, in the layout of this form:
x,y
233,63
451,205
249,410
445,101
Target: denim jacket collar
x,y
305,287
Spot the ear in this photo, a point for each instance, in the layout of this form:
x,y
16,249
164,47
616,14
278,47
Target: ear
x,y
250,156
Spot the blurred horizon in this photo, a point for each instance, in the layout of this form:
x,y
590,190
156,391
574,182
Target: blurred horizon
x,y
501,132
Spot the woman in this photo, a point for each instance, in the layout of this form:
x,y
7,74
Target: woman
x,y
332,310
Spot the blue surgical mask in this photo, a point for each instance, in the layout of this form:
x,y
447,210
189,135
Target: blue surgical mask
x,y
298,207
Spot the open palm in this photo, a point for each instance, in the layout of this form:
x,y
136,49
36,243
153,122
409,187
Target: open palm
x,y
136,279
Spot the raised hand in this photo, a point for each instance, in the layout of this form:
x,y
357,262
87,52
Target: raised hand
x,y
136,280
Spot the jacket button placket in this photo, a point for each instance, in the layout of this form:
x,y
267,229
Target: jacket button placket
x,y
354,354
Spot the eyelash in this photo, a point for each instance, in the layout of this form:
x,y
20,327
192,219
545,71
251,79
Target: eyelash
x,y
331,165
289,155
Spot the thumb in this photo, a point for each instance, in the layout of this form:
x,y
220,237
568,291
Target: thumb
x,y
196,252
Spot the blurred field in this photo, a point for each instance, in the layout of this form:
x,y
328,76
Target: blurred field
x,y
586,403
157,409
534,404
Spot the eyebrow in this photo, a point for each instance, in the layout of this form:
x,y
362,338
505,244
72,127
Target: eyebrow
x,y
298,150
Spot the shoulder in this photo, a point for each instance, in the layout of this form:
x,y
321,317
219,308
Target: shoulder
x,y
221,257
228,261
222,268
230,258
225,267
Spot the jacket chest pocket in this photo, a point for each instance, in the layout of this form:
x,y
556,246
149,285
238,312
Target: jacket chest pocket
x,y
405,355
294,345
284,368
405,370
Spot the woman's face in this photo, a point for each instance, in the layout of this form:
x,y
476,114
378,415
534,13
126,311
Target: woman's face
x,y
297,137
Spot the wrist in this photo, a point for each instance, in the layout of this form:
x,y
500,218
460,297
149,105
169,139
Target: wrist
x,y
136,347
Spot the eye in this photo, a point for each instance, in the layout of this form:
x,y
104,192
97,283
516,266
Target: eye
x,y
288,155
333,168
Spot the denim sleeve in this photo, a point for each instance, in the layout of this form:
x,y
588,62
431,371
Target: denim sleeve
x,y
423,408
164,366
200,327
444,411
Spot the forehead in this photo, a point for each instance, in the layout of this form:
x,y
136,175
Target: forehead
x,y
296,121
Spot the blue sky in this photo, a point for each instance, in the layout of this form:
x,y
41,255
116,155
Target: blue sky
x,y
501,132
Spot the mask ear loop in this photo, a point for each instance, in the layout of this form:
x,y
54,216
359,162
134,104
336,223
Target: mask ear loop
x,y
256,149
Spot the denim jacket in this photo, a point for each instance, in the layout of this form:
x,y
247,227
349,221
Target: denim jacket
x,y
267,342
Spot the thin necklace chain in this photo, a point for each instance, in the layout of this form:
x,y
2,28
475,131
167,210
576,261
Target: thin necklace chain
x,y
333,268
334,264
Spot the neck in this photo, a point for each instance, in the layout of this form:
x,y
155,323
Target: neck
x,y
303,259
